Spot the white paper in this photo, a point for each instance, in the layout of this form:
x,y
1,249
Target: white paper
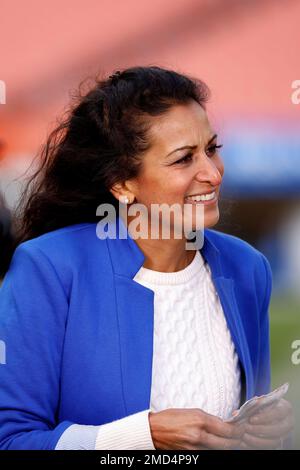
x,y
255,404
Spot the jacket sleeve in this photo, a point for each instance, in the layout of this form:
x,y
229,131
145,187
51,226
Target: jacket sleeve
x,y
33,314
263,378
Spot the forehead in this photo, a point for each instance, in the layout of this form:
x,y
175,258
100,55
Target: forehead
x,y
182,124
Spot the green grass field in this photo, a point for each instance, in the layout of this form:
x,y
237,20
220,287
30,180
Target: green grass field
x,y
284,329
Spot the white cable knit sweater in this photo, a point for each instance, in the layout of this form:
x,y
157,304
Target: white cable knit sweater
x,y
195,364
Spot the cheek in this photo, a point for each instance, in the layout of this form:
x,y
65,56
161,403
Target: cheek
x,y
153,189
166,186
180,180
178,185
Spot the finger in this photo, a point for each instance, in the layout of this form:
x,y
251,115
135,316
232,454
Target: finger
x,y
244,446
269,415
212,441
194,447
270,430
261,443
217,427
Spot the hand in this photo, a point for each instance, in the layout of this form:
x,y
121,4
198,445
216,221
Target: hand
x,y
193,429
267,428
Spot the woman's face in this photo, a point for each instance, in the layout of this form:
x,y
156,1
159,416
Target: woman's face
x,y
170,176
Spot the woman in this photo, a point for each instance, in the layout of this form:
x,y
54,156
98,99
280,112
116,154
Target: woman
x,y
126,341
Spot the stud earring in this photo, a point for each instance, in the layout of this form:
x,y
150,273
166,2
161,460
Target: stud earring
x,y
125,199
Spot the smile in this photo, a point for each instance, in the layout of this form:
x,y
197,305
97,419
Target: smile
x,y
201,197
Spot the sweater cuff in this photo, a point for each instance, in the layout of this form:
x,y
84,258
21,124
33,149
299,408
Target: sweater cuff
x,y
131,432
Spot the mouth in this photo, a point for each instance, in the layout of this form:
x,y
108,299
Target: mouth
x,y
208,198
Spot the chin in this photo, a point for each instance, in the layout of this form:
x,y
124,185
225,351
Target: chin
x,y
209,221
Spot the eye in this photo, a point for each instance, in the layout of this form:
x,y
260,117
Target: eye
x,y
186,159
210,152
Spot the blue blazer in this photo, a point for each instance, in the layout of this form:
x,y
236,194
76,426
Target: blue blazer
x,y
76,330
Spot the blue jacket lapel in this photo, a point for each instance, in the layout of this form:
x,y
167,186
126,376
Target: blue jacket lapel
x,y
135,310
225,288
135,314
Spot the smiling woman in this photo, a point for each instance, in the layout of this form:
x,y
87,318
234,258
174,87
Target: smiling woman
x,y
123,343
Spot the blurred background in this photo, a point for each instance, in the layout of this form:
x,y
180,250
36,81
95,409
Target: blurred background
x,y
245,50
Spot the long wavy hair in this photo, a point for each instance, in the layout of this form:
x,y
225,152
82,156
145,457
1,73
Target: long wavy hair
x,y
6,237
100,142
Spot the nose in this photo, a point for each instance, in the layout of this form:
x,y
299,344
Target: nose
x,y
209,172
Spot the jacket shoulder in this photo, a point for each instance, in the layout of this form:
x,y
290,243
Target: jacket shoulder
x,y
226,242
69,250
239,255
73,240
243,262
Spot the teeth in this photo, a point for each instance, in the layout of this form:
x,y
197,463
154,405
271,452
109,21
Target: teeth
x,y
202,197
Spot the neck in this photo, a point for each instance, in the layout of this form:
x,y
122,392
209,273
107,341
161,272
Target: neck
x,y
164,255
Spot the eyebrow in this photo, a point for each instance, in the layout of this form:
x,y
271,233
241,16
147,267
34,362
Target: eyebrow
x,y
192,146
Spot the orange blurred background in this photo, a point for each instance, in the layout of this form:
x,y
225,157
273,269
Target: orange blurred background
x,y
245,50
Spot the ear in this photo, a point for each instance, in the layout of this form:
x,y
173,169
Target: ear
x,y
119,190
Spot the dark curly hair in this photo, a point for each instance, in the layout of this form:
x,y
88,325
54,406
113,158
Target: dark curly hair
x,y
101,142
6,237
